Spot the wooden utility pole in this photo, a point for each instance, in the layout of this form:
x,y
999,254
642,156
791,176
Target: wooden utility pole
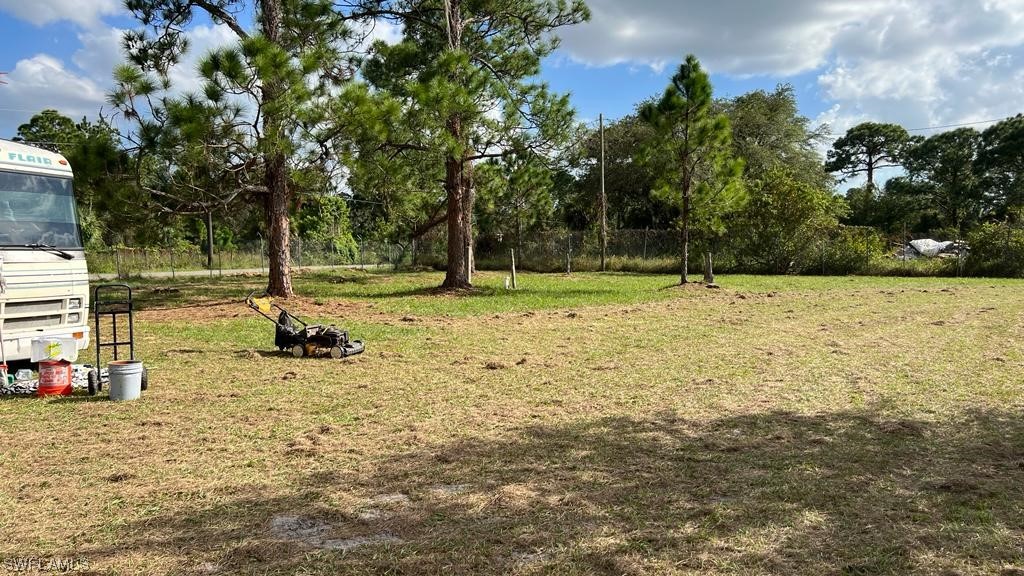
x,y
604,205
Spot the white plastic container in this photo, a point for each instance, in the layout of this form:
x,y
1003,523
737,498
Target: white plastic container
x,y
125,379
58,348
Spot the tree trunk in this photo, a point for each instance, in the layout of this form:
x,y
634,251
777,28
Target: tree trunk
x,y
279,227
460,232
684,277
276,166
276,175
709,273
457,181
209,239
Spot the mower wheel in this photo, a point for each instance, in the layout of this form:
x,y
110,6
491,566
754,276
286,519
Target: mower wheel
x,y
94,382
337,352
298,350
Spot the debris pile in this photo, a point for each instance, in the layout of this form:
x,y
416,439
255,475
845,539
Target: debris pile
x,y
79,381
927,248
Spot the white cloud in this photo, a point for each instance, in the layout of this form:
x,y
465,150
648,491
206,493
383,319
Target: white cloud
x,y
933,89
379,29
201,41
915,62
734,36
100,52
930,64
42,82
787,38
84,12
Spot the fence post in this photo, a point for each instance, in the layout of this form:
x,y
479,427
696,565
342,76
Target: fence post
x,y
261,252
469,258
646,230
362,264
568,252
171,253
514,285
959,258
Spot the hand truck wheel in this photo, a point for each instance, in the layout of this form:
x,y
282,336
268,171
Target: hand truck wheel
x,y
145,378
95,386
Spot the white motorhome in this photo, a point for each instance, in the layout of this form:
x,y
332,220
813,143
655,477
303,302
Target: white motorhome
x,y
44,281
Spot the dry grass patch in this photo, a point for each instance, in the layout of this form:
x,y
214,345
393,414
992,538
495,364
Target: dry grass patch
x,y
797,428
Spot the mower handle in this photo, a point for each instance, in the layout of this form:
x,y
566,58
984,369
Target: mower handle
x,y
252,304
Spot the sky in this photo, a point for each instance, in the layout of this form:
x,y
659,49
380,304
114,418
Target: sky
x,y
919,63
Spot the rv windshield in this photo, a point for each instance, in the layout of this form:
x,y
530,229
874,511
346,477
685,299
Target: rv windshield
x,y
37,209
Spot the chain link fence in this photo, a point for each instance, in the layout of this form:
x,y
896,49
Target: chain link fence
x,y
843,250
560,251
997,251
125,262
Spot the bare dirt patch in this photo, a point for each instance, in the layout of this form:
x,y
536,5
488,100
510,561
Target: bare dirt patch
x,y
317,534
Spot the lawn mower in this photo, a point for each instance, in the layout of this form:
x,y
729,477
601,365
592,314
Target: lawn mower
x,y
302,339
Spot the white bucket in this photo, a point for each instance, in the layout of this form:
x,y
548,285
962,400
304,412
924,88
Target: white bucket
x,y
125,379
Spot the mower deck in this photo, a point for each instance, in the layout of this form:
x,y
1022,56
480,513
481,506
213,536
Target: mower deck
x,y
293,335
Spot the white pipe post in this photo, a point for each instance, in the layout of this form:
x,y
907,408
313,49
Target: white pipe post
x,y
514,284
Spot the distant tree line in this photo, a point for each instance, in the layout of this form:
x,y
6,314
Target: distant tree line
x,y
304,129
948,184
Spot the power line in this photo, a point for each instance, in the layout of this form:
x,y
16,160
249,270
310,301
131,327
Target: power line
x,y
593,124
959,125
944,126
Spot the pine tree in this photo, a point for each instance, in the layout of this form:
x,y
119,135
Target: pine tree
x,y
691,150
283,69
463,82
868,147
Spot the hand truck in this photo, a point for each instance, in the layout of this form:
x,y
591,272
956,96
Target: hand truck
x,y
113,300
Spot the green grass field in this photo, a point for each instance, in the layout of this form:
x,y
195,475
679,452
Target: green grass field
x,y
593,424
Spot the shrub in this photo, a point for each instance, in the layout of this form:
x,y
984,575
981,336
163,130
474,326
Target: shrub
x,y
844,250
997,249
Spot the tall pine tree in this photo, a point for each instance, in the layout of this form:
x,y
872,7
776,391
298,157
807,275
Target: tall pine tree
x,y
691,152
284,68
463,80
